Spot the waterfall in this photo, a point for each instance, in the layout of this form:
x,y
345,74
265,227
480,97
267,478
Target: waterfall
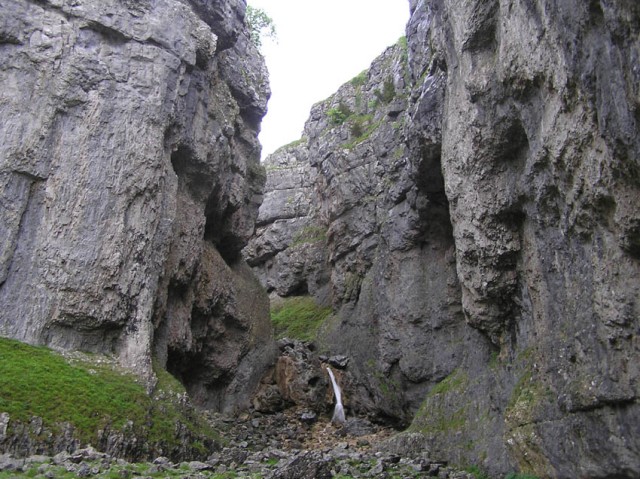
x,y
338,412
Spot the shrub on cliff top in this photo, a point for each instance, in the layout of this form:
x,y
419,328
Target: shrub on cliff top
x,y
260,25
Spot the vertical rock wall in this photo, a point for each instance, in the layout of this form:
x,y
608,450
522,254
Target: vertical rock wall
x,y
540,159
370,234
130,180
482,233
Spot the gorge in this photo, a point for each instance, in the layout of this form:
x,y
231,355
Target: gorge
x,y
468,209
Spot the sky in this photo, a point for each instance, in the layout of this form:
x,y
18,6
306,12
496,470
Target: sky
x,y
320,45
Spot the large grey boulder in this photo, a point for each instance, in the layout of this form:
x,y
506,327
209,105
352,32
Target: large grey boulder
x,y
129,182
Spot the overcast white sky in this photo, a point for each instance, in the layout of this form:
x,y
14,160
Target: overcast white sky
x,y
321,45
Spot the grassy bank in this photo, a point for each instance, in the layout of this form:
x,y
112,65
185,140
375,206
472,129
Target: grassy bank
x,y
91,394
298,317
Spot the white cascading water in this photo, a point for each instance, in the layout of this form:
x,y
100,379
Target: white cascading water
x,y
338,412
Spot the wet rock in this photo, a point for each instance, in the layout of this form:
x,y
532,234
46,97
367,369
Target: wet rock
x,y
308,417
339,361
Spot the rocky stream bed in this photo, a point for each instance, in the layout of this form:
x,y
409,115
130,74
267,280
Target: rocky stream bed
x,y
293,444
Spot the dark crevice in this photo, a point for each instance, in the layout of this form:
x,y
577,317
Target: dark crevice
x,y
482,26
433,204
217,232
513,144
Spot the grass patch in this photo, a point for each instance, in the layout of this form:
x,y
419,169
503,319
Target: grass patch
x,y
310,234
360,79
35,381
292,144
91,394
453,382
477,472
298,317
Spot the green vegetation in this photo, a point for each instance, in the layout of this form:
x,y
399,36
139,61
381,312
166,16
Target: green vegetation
x,y
388,92
402,41
453,382
90,394
292,144
477,472
361,129
310,234
338,115
360,79
436,415
359,125
115,471
298,317
515,475
260,25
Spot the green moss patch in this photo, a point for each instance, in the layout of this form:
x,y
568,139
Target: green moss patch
x,y
437,414
91,394
310,234
456,381
298,317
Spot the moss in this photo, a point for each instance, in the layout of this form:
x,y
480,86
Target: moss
x,y
310,234
528,394
90,394
456,381
352,286
436,414
298,317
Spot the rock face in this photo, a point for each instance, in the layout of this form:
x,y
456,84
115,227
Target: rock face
x,y
368,229
130,181
287,251
482,233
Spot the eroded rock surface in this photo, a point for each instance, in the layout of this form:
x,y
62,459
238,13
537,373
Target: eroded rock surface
x,y
482,233
373,225
130,182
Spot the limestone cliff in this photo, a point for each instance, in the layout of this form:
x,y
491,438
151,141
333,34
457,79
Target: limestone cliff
x,y
130,180
479,197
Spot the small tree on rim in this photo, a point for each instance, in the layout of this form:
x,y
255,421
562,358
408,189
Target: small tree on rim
x,y
260,25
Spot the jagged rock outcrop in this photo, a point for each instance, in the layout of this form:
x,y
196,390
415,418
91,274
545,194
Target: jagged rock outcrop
x,y
383,239
287,250
540,160
492,269
130,175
